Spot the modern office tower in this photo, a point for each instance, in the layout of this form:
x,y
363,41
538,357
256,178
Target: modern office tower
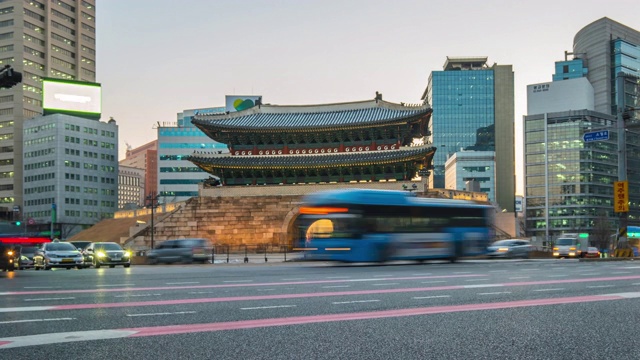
x,y
475,167
473,106
607,48
131,193
569,182
144,157
71,162
53,39
178,178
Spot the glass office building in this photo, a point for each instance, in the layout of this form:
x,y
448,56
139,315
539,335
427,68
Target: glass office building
x,y
178,178
569,182
570,69
473,105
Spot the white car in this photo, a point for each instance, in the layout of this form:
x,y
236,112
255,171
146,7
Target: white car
x,y
58,254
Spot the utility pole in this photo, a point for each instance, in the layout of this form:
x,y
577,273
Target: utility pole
x,y
153,200
622,155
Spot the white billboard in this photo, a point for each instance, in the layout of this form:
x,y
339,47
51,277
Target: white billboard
x,y
239,103
71,97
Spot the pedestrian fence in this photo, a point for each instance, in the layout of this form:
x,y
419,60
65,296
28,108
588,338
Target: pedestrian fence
x,y
223,253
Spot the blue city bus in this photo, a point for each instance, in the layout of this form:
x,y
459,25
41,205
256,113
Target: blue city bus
x,y
362,225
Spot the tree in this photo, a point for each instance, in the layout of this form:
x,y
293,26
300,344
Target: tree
x,y
602,230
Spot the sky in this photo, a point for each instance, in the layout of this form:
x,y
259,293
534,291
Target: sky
x,y
156,58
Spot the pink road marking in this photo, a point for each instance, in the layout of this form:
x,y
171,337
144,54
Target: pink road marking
x,y
297,320
79,291
5,342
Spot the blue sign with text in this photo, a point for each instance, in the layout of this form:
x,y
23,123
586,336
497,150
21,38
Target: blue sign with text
x,y
596,136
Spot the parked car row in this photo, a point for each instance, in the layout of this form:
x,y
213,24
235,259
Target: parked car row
x,y
80,255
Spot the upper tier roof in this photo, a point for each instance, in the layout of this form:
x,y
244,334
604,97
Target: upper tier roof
x,y
276,117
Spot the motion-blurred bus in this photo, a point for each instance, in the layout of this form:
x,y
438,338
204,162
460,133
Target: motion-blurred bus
x,y
381,225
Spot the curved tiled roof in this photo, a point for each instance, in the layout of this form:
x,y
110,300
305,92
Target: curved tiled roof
x,y
342,159
269,117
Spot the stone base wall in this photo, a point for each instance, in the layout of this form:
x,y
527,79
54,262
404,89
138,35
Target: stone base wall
x,y
233,220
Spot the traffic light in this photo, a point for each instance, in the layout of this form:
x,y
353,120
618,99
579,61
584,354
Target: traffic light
x,y
16,223
9,77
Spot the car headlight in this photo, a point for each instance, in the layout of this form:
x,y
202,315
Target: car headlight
x,y
9,252
100,254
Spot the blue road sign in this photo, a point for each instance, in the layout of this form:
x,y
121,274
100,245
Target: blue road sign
x,y
596,136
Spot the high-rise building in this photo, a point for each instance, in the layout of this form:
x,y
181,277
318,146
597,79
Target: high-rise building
x,y
472,167
71,162
144,157
178,178
55,39
131,193
473,105
607,48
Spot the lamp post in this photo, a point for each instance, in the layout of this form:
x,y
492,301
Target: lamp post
x,y
152,200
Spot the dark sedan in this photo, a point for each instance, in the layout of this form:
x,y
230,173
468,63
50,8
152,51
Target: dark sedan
x,y
108,253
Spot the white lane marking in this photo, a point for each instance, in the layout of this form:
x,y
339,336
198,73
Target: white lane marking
x,y
631,267
495,293
34,320
50,299
26,308
203,292
431,297
163,313
433,281
635,284
183,283
336,286
136,295
620,272
354,302
629,295
558,275
478,279
497,270
598,286
268,307
266,289
589,274
558,289
65,337
38,287
385,284
239,281
519,277
337,277
115,285
476,286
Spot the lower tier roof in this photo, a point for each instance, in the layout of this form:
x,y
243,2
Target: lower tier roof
x,y
209,162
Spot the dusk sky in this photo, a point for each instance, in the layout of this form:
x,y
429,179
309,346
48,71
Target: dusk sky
x,y
156,58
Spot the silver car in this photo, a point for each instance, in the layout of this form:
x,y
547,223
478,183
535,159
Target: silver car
x,y
57,254
509,249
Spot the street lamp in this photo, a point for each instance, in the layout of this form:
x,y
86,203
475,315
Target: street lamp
x,y
152,200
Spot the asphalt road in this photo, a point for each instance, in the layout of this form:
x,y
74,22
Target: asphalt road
x,y
529,309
